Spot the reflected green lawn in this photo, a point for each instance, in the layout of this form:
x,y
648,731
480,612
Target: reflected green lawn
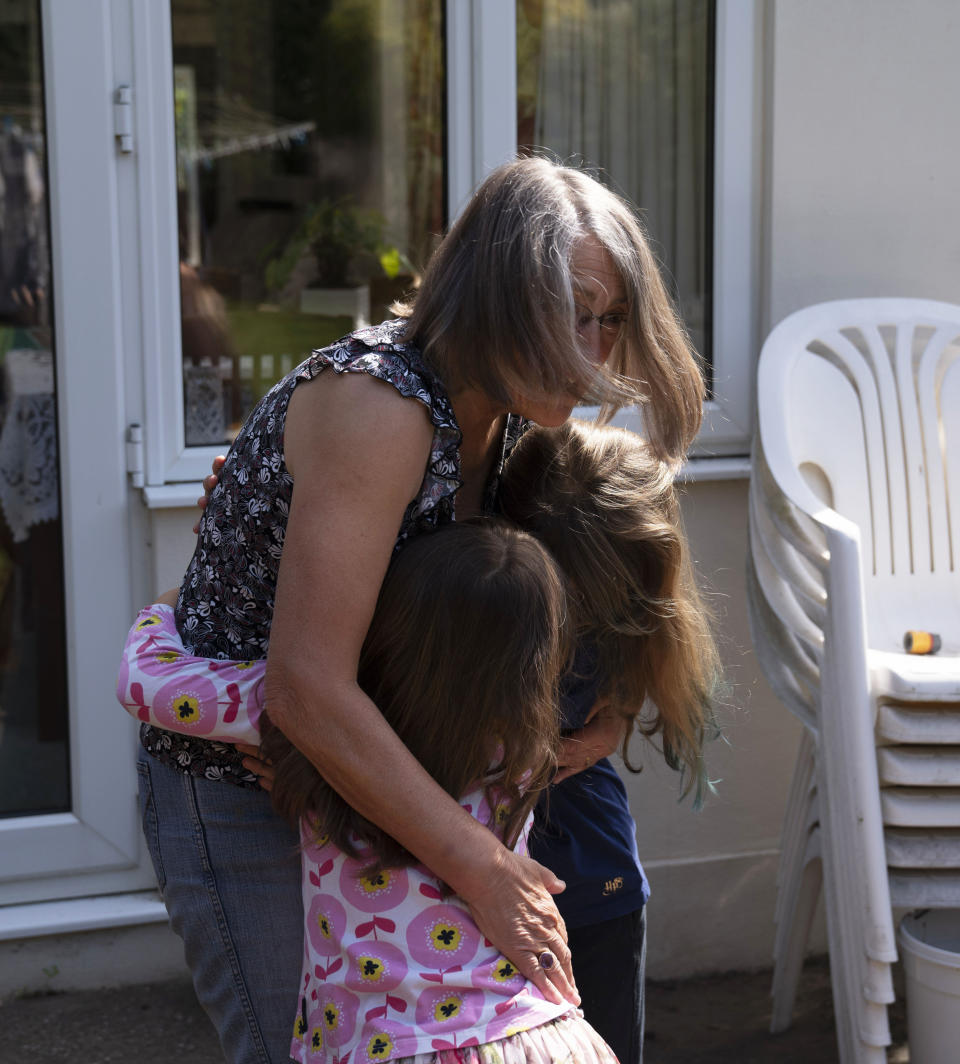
x,y
280,331
273,341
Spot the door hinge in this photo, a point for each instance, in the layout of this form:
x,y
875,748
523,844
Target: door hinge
x,y
123,118
135,454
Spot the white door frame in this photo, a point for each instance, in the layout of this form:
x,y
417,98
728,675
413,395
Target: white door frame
x,y
481,93
96,847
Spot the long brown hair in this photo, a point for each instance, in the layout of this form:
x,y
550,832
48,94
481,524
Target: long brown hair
x,y
495,310
463,658
606,508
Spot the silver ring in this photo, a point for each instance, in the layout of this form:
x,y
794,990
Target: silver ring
x,y
546,960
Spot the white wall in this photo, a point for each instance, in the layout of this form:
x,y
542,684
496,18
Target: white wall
x,y
861,159
863,152
713,872
89,960
173,543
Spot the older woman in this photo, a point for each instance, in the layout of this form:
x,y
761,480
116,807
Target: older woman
x,y
543,292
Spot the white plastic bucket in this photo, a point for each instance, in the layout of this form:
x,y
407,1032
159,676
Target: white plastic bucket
x,y
930,951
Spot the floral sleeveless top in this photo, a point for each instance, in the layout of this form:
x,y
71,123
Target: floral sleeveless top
x,y
225,606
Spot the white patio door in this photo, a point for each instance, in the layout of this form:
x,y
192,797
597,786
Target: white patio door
x,y
170,147
70,826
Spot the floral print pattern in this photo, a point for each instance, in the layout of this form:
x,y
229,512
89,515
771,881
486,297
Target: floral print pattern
x,y
393,967
160,684
443,936
393,964
225,605
375,892
326,924
570,1039
374,966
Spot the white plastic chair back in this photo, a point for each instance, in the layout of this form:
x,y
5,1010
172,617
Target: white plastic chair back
x,y
855,537
860,413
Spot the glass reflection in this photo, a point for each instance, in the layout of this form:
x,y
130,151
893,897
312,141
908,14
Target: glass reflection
x,y
33,697
310,177
626,86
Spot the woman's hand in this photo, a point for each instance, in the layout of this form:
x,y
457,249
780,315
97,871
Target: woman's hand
x,y
514,910
518,915
209,483
260,766
598,738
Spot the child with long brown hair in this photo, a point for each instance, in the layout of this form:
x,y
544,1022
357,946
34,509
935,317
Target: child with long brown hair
x,y
607,509
456,680
466,668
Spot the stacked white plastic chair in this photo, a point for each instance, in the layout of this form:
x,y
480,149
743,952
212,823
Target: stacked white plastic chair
x,y
854,539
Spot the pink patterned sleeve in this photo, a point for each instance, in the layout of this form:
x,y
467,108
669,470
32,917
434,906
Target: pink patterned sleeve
x,y
161,684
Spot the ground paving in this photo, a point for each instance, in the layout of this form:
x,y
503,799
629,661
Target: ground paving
x,y
710,1020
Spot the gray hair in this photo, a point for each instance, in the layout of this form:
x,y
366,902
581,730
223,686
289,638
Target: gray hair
x,y
495,310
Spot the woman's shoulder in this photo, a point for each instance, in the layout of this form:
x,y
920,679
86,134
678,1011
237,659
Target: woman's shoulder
x,y
381,352
384,352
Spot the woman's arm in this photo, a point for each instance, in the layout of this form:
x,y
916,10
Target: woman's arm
x,y
353,478
160,683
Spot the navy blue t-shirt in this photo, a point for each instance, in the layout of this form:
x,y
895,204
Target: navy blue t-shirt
x,y
583,831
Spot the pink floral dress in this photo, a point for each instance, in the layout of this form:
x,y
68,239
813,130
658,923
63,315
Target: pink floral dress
x,y
393,966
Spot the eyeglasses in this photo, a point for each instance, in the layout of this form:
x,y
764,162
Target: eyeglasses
x,y
611,322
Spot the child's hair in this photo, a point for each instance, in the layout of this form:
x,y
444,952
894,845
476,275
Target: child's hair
x,y
463,658
606,508
495,309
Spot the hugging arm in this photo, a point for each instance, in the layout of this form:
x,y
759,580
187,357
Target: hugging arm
x,y
162,684
353,478
357,453
159,683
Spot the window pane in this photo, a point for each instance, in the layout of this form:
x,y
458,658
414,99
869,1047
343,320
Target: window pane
x,y
626,86
33,691
310,177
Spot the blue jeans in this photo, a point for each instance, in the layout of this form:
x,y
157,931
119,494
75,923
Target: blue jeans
x,y
229,871
609,961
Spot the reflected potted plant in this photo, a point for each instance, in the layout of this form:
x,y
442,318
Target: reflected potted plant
x,y
344,244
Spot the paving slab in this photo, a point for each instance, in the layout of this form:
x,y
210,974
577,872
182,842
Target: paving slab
x,y
710,1020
